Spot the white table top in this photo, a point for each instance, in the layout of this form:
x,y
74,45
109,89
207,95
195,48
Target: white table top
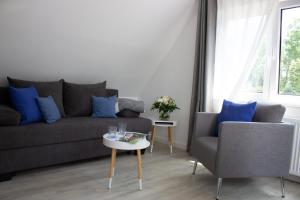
x,y
115,144
163,123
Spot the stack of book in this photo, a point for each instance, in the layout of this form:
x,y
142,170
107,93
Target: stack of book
x,y
132,138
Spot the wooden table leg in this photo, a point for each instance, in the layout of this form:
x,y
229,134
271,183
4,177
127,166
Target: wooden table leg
x,y
114,161
139,159
112,166
170,136
153,138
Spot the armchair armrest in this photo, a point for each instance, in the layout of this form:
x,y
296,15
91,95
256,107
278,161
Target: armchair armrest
x,y
204,124
249,149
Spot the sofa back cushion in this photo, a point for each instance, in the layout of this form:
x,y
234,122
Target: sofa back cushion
x,y
44,89
78,97
269,113
112,92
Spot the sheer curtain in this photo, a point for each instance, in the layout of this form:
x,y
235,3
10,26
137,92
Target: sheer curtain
x,y
241,25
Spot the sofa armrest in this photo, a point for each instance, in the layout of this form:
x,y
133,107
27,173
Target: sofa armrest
x,y
250,149
204,124
9,116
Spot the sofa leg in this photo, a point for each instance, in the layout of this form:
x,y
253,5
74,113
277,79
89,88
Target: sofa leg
x,y
282,187
7,176
195,166
219,188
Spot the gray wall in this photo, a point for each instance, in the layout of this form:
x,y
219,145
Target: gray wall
x,y
144,48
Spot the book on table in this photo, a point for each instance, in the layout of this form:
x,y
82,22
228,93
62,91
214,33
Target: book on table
x,y
129,137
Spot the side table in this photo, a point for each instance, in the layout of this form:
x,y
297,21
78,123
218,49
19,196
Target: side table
x,y
167,124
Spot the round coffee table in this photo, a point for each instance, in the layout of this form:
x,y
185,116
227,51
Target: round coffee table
x,y
114,144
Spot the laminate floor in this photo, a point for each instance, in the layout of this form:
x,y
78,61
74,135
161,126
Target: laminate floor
x,y
165,178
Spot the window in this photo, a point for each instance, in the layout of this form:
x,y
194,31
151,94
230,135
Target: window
x,y
258,52
289,61
277,77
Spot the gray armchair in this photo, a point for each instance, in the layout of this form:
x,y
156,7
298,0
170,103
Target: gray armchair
x,y
244,149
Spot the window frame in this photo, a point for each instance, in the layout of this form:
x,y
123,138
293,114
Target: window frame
x,y
274,79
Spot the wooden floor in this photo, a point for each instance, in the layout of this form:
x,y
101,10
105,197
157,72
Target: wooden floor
x,y
165,177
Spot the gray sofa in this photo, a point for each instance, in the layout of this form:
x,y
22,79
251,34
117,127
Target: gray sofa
x,y
261,148
70,139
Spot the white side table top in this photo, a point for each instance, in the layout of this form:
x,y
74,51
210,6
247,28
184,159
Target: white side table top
x,y
164,123
115,144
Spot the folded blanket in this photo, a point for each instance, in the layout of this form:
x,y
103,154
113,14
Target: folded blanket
x,y
131,104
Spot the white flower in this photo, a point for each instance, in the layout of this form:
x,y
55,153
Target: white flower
x,y
165,99
160,100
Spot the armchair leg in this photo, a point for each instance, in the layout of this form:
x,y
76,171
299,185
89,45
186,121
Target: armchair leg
x,y
219,188
282,187
195,167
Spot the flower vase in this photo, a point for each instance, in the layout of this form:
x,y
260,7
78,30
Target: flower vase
x,y
164,116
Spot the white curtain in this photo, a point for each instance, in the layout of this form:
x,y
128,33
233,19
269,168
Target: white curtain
x,y
241,25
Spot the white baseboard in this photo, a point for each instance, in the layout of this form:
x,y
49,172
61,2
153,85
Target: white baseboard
x,y
179,145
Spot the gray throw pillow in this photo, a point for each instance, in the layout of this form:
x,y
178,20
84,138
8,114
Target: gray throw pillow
x,y
9,116
78,97
269,113
44,89
131,104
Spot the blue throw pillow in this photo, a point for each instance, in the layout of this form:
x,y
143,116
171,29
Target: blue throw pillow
x,y
104,107
23,100
235,112
48,109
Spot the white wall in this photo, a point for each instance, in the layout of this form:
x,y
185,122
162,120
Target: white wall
x,y
144,48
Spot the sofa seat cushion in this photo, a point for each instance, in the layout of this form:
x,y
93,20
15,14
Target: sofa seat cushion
x,y
205,150
65,130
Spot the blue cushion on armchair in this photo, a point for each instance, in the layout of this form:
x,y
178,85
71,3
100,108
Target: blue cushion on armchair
x,y
235,112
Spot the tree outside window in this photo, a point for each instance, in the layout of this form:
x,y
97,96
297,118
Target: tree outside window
x,y
289,78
